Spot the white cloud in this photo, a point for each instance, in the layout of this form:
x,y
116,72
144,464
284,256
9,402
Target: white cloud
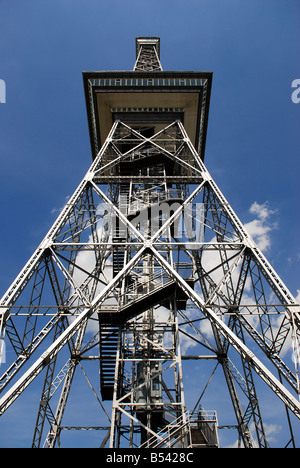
x,y
262,211
59,210
260,228
271,431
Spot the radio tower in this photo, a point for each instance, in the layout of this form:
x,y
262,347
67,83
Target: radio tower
x,y
147,292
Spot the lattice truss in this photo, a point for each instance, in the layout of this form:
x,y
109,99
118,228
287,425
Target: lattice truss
x,y
147,58
149,265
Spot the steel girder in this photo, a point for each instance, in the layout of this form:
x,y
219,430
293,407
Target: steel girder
x,y
69,279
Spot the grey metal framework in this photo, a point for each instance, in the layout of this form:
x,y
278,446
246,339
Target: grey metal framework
x,y
147,54
146,263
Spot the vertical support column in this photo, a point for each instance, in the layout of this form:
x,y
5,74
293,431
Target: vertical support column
x,y
116,415
183,442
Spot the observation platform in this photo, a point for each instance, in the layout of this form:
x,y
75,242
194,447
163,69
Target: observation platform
x,y
151,98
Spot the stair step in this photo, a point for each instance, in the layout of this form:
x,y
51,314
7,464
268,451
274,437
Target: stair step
x,y
108,354
159,296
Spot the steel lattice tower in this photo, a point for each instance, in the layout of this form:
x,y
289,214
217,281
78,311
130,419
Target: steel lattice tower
x,y
146,262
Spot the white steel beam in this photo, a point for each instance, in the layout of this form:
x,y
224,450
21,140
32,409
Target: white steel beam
x,y
16,390
242,349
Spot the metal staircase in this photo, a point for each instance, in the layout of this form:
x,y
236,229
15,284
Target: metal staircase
x,y
187,430
137,299
108,353
135,303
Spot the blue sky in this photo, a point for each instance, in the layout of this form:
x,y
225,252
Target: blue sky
x,y
253,141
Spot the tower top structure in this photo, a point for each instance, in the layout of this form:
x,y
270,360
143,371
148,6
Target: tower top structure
x,y
147,96
149,247
147,54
